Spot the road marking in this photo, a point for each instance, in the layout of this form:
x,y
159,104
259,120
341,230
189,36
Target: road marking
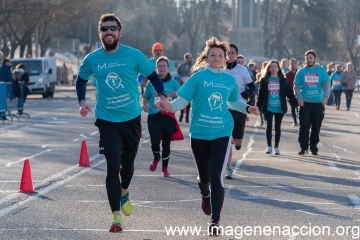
x,y
47,180
333,166
344,149
45,190
82,137
249,147
23,159
93,133
337,157
355,200
44,146
320,144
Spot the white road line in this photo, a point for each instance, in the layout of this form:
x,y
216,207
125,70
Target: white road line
x,y
93,133
172,175
23,159
344,149
47,180
44,146
355,200
337,157
45,190
333,166
77,229
357,115
320,144
249,147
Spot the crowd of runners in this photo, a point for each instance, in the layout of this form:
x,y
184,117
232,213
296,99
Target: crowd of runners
x,y
214,94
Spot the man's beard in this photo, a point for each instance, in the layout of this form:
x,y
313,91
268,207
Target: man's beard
x,y
310,65
109,46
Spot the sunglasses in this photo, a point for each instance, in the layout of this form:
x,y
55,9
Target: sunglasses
x,y
112,28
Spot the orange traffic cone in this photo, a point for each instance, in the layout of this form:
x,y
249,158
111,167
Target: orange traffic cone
x,y
84,160
26,184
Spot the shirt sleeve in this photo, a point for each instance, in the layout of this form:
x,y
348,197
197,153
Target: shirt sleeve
x,y
145,66
85,69
147,93
246,76
187,90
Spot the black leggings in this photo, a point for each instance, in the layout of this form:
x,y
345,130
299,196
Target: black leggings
x,y
119,143
278,119
294,111
337,95
161,126
211,157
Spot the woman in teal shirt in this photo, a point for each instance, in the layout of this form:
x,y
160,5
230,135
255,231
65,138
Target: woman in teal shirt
x,y
335,82
160,124
209,90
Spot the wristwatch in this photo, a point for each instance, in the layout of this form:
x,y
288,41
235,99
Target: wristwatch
x,y
163,93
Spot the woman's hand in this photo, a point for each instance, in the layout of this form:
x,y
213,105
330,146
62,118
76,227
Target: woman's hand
x,y
254,110
146,108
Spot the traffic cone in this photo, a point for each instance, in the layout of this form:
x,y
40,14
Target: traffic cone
x,y
26,184
84,160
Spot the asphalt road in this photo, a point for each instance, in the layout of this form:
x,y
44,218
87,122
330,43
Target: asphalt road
x,y
271,197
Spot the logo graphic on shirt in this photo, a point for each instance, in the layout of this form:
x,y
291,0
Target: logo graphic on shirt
x,y
113,81
215,101
311,79
274,88
101,67
208,84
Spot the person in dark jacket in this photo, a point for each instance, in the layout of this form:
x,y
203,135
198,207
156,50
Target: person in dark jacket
x,y
24,79
6,76
273,90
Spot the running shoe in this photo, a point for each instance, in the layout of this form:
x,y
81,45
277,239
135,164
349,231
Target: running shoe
x,y
116,224
276,151
214,229
153,165
126,204
228,173
206,205
268,150
165,172
315,153
303,152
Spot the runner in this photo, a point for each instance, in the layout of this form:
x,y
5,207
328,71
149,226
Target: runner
x,y
118,112
246,89
210,129
290,75
161,125
335,82
184,72
273,90
312,89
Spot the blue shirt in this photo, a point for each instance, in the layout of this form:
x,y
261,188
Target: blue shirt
x,y
209,93
274,103
310,80
152,95
117,85
335,78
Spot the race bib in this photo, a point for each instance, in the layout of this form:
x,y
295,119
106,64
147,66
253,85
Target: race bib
x,y
273,87
156,98
337,83
311,79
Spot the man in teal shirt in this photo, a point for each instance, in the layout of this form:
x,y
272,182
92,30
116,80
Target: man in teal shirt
x,y
312,89
117,111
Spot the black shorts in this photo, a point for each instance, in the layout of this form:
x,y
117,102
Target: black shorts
x,y
115,137
239,124
161,123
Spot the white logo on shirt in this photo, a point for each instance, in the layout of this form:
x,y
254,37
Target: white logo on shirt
x,y
113,81
208,84
101,67
215,101
274,88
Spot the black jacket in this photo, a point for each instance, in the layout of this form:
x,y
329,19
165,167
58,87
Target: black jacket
x,y
285,91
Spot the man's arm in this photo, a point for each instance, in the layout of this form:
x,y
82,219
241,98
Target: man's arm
x,y
157,84
81,88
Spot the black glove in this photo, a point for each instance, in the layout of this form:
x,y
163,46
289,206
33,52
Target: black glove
x,y
245,95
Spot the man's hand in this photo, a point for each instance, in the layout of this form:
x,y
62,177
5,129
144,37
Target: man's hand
x,y
300,103
84,108
324,101
163,104
254,110
146,108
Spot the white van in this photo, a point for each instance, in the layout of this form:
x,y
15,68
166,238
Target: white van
x,y
42,74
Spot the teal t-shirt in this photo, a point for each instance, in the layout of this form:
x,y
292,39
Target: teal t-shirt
x,y
117,86
310,81
152,95
274,103
209,93
286,69
335,79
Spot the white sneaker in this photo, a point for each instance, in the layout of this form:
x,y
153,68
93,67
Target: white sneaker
x,y
276,151
268,150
